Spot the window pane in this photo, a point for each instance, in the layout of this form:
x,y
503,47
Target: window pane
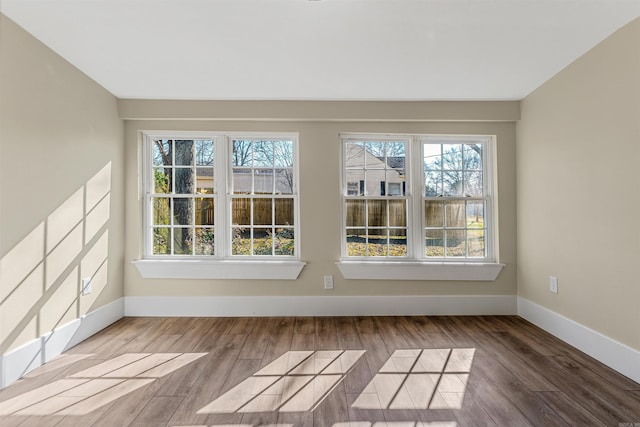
x,y
241,181
204,152
242,153
396,153
397,213
161,241
161,214
205,211
262,241
395,188
375,182
182,211
263,154
355,182
283,154
434,242
473,156
473,184
432,157
456,214
434,213
184,180
185,151
375,155
263,181
356,242
456,245
241,211
377,213
398,242
204,180
395,180
354,155
475,214
284,241
162,152
262,212
377,242
433,184
284,212
205,241
182,241
162,180
476,243
356,210
452,185
284,181
240,241
452,156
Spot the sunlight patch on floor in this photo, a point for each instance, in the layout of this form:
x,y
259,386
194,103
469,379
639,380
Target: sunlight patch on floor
x,y
297,381
419,379
92,388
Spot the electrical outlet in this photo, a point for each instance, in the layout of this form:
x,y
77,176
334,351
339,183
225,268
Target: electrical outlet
x,y
86,286
328,282
553,284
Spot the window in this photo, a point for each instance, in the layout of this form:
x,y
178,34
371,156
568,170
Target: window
x,y
182,197
221,197
376,216
421,198
455,200
263,200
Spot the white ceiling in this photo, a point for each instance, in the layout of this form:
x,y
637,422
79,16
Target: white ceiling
x,y
321,50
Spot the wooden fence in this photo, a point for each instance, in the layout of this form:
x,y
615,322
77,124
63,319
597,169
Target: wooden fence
x,y
262,211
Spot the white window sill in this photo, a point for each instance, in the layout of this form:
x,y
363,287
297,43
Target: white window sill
x,y
419,270
218,269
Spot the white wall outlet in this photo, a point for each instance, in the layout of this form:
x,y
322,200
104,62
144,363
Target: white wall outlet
x,y
86,286
553,284
328,282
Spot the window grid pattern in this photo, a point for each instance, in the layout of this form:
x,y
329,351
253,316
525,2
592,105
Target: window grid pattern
x,y
455,200
263,198
183,197
375,198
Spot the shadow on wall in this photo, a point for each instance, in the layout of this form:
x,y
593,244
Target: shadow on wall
x,y
41,276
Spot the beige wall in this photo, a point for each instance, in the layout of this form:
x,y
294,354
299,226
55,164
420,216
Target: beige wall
x,y
320,197
578,157
61,190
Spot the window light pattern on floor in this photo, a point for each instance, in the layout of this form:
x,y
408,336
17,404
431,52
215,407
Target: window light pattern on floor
x,y
419,379
92,388
295,382
395,424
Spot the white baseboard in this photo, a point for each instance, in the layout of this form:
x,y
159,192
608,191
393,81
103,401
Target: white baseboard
x,y
35,353
612,353
320,306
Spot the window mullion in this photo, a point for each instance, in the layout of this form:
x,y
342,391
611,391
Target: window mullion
x,y
415,199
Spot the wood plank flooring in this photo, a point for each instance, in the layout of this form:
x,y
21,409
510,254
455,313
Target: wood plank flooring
x,y
326,371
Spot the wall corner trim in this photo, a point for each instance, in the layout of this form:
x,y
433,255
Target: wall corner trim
x,y
20,361
612,353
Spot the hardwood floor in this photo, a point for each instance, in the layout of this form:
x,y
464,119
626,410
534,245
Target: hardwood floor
x,y
324,371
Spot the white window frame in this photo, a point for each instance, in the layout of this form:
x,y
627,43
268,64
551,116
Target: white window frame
x,y
416,265
349,138
222,265
487,191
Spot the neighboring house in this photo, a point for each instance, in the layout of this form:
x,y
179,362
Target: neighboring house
x,y
262,179
369,175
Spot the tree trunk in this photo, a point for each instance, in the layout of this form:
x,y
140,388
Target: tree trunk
x,y
183,212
